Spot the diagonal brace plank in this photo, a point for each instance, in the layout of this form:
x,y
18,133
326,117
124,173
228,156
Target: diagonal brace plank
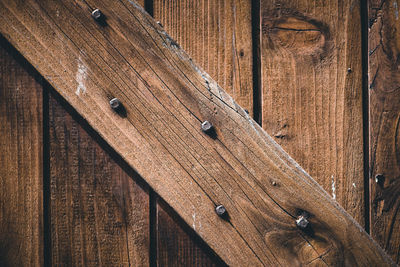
x,y
166,98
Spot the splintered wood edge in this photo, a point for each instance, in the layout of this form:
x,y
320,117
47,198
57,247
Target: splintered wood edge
x,y
166,97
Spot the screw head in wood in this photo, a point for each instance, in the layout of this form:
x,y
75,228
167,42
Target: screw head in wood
x,y
97,14
380,179
349,70
207,127
220,210
302,222
115,104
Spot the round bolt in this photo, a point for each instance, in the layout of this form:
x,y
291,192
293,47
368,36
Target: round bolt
x,y
159,23
207,127
273,183
380,179
302,222
115,104
348,70
97,15
220,210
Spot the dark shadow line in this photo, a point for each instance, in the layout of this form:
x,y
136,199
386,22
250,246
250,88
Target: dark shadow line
x,y
153,228
46,178
149,7
255,34
365,109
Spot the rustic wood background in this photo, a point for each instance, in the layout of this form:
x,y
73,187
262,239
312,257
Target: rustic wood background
x,y
321,77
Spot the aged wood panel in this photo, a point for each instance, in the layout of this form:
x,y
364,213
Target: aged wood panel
x,y
384,97
312,93
99,214
165,98
21,165
217,35
176,245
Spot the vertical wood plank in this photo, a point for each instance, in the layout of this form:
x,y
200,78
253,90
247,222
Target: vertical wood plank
x,y
99,214
177,246
21,166
312,91
384,118
217,35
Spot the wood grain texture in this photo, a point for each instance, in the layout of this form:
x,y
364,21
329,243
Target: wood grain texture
x,y
217,35
177,245
311,102
384,116
166,97
99,214
21,166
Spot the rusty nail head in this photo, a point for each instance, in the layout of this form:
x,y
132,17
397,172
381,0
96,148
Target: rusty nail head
x,y
115,104
96,14
220,210
302,222
206,127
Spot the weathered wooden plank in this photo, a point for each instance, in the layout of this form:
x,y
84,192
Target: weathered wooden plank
x,y
21,165
176,246
99,215
384,119
217,35
312,93
166,97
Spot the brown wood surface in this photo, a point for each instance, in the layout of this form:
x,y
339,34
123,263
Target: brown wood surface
x,y
217,36
384,116
21,166
166,97
99,214
311,103
177,245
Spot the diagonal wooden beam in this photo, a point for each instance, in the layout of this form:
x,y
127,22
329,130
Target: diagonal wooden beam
x,y
166,97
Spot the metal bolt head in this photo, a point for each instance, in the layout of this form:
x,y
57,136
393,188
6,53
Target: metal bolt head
x,y
207,127
159,23
302,222
380,179
115,104
97,15
220,210
273,183
348,70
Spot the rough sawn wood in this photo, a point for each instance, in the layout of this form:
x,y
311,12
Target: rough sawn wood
x,y
166,98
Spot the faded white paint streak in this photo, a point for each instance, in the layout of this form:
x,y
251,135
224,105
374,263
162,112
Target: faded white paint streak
x,y
333,188
81,76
